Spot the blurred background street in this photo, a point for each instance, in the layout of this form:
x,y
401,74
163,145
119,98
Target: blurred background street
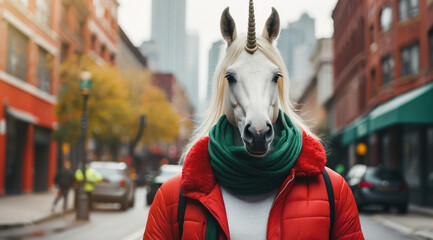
x,y
99,97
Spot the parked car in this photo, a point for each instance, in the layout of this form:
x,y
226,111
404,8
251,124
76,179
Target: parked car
x,y
116,186
165,172
378,185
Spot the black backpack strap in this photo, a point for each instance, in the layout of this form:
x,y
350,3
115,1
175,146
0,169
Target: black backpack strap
x,y
330,191
181,207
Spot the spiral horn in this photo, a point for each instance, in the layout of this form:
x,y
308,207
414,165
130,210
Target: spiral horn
x,y
251,46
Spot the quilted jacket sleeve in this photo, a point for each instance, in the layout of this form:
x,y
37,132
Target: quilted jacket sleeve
x,y
161,214
347,224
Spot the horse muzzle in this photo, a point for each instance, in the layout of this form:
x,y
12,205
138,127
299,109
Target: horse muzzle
x,y
257,141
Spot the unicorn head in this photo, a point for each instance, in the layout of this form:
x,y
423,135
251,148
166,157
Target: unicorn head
x,y
252,83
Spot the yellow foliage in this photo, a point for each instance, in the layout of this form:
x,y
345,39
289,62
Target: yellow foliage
x,y
116,100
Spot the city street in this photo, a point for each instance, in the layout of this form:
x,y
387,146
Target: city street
x,y
108,222
374,231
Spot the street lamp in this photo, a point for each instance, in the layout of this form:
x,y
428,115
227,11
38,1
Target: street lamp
x,y
83,200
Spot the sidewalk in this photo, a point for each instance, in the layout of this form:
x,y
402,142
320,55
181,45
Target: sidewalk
x,y
418,222
26,209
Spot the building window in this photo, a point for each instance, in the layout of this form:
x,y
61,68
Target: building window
x,y
387,69
372,37
44,70
112,58
407,9
16,60
80,27
373,82
64,51
430,39
410,60
43,10
386,18
93,41
103,48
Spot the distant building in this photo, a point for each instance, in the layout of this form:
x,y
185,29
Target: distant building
x,y
214,54
149,49
89,28
383,87
35,37
295,44
169,35
191,84
176,52
129,57
178,98
319,89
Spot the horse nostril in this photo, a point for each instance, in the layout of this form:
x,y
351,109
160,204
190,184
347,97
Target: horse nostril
x,y
269,132
248,133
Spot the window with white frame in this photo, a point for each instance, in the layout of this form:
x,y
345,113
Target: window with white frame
x,y
16,56
407,9
386,18
44,70
43,10
387,69
410,60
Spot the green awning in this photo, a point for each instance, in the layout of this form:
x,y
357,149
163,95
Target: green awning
x,y
414,107
357,129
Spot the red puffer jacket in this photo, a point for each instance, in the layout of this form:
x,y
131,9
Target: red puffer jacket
x,y
300,209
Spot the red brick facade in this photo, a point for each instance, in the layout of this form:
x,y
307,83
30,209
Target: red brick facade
x,y
35,36
360,46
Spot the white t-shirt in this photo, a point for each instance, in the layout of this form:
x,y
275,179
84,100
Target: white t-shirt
x,y
247,216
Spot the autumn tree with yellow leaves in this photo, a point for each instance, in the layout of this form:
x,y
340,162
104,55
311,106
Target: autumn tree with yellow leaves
x,y
116,100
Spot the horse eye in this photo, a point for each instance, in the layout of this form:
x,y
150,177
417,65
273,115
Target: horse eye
x,y
230,79
276,77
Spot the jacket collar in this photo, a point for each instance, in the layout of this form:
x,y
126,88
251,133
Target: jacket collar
x,y
198,178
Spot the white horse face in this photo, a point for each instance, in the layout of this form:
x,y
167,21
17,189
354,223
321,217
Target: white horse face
x,y
252,100
252,93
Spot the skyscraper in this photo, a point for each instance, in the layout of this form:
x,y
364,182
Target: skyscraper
x,y
295,44
191,68
214,53
169,34
172,50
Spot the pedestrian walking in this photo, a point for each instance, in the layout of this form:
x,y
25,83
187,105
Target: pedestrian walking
x,y
92,177
253,170
64,181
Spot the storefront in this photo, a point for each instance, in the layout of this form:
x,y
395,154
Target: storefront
x,y
399,135
27,150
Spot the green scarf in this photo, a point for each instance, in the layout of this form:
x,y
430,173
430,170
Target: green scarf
x,y
244,174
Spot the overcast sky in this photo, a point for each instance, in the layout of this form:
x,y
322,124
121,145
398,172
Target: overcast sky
x,y
203,18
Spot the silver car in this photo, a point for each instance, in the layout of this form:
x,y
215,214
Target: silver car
x,y
116,185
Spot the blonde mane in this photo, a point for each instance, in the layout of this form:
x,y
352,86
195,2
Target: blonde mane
x,y
217,100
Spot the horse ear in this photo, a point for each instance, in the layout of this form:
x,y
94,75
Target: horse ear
x,y
272,26
228,27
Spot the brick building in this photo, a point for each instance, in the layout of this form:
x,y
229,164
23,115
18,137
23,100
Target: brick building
x,y
383,87
29,63
181,105
35,36
312,101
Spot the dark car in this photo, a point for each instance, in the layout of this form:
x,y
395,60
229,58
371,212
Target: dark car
x,y
165,172
378,185
116,186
